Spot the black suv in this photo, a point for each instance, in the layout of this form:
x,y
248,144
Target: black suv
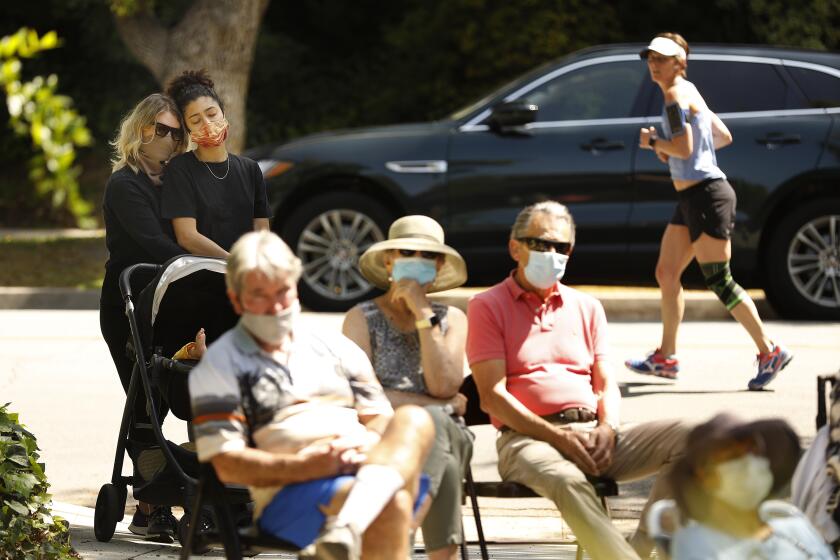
x,y
569,131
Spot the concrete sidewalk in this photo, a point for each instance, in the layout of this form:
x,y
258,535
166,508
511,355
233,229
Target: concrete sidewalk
x,y
533,534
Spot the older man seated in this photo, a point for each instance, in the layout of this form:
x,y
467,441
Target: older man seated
x,y
299,417
539,356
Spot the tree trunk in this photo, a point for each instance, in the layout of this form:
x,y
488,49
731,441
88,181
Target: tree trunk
x,y
218,35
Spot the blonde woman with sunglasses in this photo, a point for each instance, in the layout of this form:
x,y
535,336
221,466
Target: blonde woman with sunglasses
x,y
149,136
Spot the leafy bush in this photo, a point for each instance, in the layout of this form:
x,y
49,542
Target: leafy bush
x,y
55,128
27,528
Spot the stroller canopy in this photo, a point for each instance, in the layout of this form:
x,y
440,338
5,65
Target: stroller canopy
x,y
188,294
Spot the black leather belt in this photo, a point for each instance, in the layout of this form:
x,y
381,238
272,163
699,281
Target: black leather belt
x,y
568,416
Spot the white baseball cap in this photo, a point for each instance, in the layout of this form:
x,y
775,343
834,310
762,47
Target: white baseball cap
x,y
663,46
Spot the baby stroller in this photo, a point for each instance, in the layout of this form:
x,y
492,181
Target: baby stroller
x,y
185,294
816,482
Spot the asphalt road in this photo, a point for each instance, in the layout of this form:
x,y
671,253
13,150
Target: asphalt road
x,y
56,371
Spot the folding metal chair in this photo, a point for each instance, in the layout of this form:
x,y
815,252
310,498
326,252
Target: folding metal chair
x,y
604,487
237,542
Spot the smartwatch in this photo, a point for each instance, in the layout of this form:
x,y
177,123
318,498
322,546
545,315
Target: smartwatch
x,y
427,323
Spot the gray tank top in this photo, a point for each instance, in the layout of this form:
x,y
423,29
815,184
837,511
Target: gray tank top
x,y
396,355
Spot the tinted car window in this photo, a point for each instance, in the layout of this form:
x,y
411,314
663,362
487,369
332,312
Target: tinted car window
x,y
821,89
733,87
600,91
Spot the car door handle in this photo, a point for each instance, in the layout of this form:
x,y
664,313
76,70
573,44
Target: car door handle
x,y
598,145
777,139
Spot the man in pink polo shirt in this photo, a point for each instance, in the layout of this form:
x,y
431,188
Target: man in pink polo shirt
x,y
539,357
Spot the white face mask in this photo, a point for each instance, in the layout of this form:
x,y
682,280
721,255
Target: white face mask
x,y
744,482
544,269
272,329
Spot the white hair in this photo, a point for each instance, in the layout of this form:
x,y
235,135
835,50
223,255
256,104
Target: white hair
x,y
262,251
549,207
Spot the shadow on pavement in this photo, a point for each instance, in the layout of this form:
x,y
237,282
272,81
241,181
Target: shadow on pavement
x,y
628,390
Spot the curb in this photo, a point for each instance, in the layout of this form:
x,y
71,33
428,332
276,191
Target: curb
x,y
620,304
48,298
637,304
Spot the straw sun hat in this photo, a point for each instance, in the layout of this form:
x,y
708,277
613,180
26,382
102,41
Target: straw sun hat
x,y
418,233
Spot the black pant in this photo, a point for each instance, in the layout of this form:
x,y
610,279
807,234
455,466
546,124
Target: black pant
x,y
116,331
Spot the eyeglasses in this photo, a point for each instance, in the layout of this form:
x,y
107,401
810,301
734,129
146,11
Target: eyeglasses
x,y
545,245
162,130
424,254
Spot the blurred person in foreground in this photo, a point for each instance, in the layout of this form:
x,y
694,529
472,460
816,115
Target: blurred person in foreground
x,y
299,417
722,487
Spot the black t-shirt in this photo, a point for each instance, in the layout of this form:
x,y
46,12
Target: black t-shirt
x,y
224,209
135,232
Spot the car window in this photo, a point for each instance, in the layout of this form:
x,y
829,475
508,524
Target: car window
x,y
734,87
600,91
821,89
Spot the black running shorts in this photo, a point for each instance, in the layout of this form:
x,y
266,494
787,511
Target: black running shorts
x,y
707,207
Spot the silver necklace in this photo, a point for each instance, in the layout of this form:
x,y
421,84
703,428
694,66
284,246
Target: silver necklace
x,y
213,174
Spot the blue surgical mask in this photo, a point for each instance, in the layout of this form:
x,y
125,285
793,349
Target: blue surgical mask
x,y
422,270
544,269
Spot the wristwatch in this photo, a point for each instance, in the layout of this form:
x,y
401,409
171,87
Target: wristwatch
x,y
651,141
427,323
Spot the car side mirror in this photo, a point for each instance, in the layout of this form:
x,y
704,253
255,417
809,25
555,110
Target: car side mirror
x,y
512,114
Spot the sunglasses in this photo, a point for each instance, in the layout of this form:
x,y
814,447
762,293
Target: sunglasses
x,y
424,254
162,130
544,245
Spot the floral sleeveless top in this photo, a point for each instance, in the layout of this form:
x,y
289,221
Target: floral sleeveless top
x,y
396,355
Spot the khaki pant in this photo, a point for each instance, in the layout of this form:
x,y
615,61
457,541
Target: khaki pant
x,y
642,450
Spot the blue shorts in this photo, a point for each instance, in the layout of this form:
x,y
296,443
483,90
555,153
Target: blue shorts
x,y
294,516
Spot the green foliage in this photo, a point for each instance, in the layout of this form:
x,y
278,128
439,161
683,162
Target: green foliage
x,y
27,528
327,64
54,127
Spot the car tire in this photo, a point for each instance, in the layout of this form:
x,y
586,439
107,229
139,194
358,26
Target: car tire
x,y
803,262
329,234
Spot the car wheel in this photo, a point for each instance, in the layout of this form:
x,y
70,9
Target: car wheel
x,y
329,234
803,262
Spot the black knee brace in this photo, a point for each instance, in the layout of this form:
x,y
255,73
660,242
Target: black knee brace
x,y
719,280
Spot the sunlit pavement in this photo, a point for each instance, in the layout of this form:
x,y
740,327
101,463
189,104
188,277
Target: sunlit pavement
x,y
56,371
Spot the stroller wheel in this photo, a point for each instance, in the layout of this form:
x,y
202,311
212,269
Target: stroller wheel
x,y
110,505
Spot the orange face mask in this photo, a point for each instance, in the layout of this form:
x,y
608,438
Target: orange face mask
x,y
211,134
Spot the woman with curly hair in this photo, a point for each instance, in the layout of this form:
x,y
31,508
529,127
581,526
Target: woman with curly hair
x,y
211,195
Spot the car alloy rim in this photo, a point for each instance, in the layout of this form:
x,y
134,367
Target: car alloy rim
x,y
330,246
813,261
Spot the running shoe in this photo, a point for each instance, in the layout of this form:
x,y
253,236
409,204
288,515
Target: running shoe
x,y
139,523
769,366
655,364
163,527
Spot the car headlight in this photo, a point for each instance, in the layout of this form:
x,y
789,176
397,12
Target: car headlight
x,y
272,167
